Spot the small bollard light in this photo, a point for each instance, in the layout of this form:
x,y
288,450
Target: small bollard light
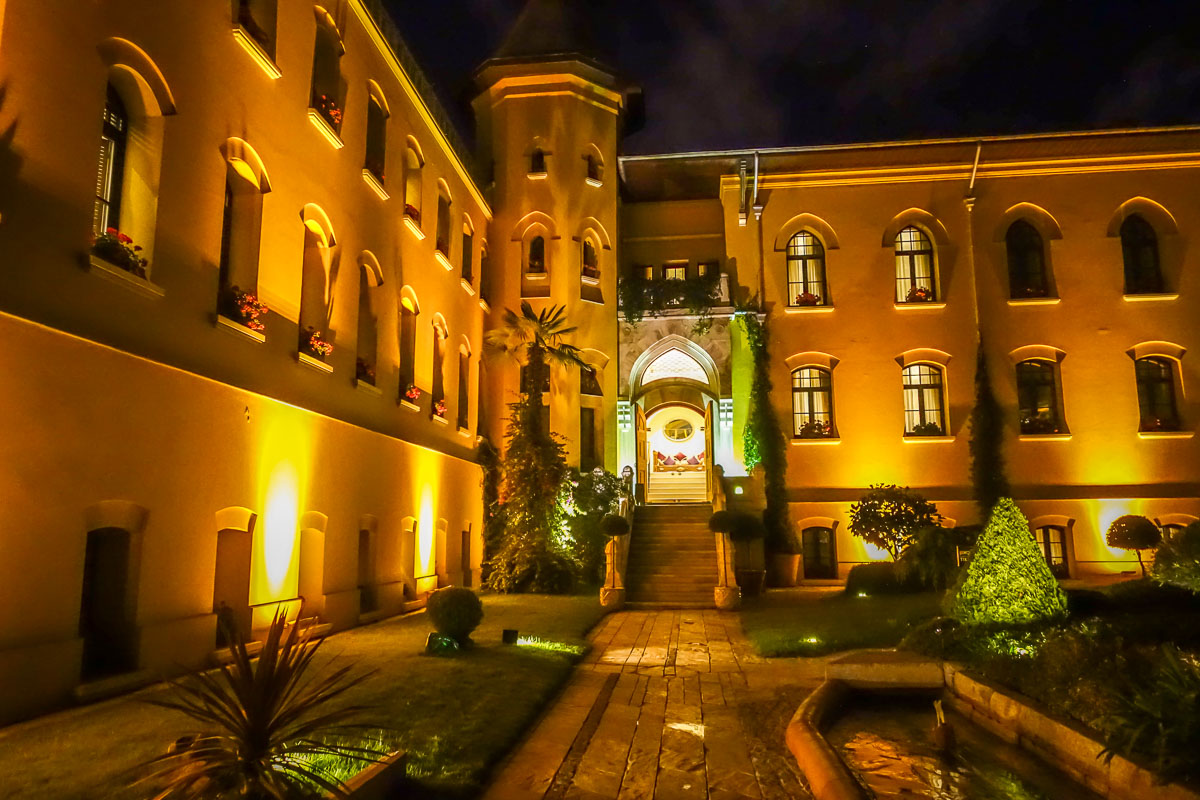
x,y
509,636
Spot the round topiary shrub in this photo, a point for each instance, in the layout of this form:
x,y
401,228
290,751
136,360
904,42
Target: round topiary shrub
x,y
1136,533
614,525
455,612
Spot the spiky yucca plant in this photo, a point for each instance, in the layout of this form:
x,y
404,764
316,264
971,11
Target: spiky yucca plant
x,y
261,724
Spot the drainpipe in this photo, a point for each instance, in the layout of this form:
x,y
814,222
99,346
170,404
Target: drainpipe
x,y
758,211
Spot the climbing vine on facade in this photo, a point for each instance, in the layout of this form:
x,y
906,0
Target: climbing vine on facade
x,y
763,442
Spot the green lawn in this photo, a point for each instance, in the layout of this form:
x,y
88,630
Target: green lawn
x,y
808,622
455,716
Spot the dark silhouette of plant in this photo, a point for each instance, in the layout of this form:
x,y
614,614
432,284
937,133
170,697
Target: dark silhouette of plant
x,y
988,479
889,516
1136,533
531,555
931,561
262,721
1177,562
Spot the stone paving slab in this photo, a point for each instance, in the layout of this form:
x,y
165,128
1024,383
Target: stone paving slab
x,y
671,725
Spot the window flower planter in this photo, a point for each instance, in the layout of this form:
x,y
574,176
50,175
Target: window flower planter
x,y
411,393
807,299
816,429
1035,426
119,250
439,409
919,294
1157,424
313,346
412,212
243,308
926,429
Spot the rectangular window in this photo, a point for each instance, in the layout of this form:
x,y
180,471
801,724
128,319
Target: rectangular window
x,y
587,438
675,272
1052,540
376,139
1037,398
924,413
111,166
644,271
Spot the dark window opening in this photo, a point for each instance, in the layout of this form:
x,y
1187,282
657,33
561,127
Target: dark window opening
x,y
376,140
537,255
820,559
589,382
107,612
1139,246
114,136
587,439
1156,394
537,161
1037,398
1026,261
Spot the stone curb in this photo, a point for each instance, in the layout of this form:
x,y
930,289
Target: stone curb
x,y
827,776
378,781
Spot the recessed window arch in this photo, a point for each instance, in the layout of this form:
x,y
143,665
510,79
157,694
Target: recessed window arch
x,y
537,160
246,182
257,18
535,259
315,289
468,251
819,548
413,164
593,166
464,385
135,101
1139,250
1052,540
438,389
590,258
369,299
375,160
916,269
443,219
924,399
812,403
806,271
1026,252
409,310
1039,401
1156,391
328,95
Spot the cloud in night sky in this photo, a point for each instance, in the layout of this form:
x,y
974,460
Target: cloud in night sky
x,y
723,74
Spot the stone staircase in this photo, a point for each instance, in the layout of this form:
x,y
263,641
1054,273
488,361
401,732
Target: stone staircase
x,y
672,556
677,487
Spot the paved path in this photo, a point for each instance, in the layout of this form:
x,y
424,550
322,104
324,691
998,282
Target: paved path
x,y
668,704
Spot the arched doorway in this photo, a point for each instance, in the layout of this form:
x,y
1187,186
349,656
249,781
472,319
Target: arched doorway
x,y
679,450
674,386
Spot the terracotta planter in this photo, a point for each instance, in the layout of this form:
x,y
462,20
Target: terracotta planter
x,y
783,569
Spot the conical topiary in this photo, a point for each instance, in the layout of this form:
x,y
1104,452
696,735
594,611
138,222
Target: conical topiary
x,y
1007,581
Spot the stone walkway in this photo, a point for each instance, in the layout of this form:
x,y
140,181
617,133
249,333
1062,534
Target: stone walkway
x,y
668,704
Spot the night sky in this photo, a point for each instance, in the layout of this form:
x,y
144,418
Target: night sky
x,y
730,74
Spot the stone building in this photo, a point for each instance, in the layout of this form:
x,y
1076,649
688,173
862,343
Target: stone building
x,y
172,451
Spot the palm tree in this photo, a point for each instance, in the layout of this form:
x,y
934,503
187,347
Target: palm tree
x,y
535,340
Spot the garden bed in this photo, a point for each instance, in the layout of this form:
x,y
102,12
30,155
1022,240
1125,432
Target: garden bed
x,y
454,717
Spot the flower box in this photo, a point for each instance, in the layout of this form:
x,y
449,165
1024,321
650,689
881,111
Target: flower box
x,y
312,345
412,212
241,307
919,294
439,409
412,393
926,429
119,250
807,299
816,429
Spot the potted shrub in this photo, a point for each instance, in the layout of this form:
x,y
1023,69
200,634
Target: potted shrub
x,y
312,344
614,525
119,250
784,565
807,299
454,613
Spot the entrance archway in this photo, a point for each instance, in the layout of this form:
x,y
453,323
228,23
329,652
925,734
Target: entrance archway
x,y
679,452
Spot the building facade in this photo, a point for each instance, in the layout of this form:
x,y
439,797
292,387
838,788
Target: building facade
x,y
283,402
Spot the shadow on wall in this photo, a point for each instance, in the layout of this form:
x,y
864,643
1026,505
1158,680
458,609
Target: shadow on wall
x,y
10,163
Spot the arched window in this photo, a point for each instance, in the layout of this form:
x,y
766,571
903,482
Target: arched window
x,y
1139,246
464,388
1052,541
412,185
438,391
594,168
1171,530
241,229
1037,398
536,263
367,342
924,400
589,382
1026,261
110,179
314,289
812,403
468,253
1156,394
376,139
408,312
328,88
591,264
806,271
916,281
443,223
537,162
257,19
